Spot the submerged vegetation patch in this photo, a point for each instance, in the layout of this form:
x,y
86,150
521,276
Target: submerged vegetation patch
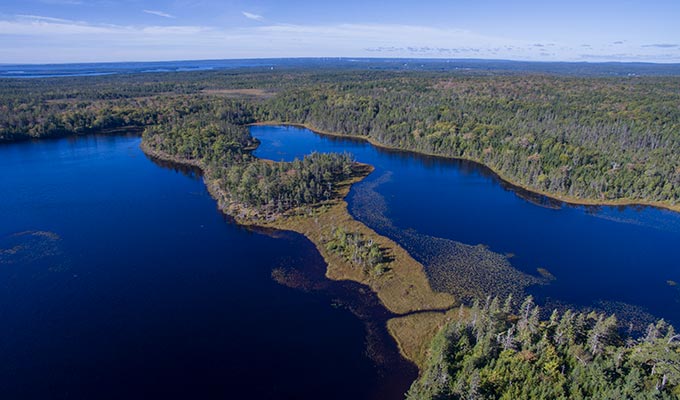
x,y
293,278
472,272
463,270
30,249
546,274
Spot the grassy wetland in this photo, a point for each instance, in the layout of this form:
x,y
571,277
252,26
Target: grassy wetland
x,y
402,287
401,283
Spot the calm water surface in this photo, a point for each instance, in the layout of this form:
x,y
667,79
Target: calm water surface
x,y
120,279
623,259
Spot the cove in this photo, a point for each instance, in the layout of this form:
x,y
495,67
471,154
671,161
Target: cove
x,y
119,278
616,259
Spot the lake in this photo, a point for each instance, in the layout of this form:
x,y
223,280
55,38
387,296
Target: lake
x,y
119,278
455,215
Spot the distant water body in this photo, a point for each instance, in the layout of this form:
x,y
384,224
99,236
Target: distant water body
x,y
102,69
459,65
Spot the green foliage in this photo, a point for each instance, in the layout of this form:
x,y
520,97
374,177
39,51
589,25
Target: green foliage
x,y
215,133
216,136
506,353
597,138
278,187
589,137
355,248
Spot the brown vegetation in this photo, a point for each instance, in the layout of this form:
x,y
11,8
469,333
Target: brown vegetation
x,y
404,289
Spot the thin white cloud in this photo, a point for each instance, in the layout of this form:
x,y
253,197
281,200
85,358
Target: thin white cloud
x,y
159,13
43,19
38,26
48,28
252,16
662,45
62,2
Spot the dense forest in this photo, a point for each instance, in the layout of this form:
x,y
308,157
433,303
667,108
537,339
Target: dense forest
x,y
216,137
214,132
595,138
500,351
591,138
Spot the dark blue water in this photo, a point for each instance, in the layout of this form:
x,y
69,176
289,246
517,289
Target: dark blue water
x,y
610,258
119,278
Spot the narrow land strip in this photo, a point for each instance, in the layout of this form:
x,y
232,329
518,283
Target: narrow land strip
x,y
403,289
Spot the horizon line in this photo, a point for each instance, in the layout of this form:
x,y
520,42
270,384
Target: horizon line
x,y
430,59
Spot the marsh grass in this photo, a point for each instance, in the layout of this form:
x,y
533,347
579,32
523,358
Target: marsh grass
x,y
467,272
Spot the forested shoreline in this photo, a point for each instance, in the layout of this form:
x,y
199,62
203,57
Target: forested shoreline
x,y
217,139
501,350
589,138
553,135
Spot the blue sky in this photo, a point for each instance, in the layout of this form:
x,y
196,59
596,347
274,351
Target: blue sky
x,y
46,31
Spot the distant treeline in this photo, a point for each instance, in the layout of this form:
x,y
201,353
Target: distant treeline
x,y
592,138
497,350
